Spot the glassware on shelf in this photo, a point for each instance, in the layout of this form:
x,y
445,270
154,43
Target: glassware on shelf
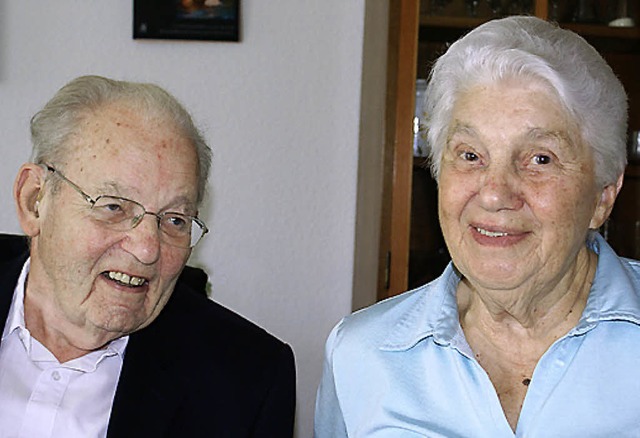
x,y
496,7
623,19
419,126
472,7
519,7
584,12
554,13
436,7
633,147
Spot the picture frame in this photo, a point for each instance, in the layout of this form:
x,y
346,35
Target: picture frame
x,y
206,20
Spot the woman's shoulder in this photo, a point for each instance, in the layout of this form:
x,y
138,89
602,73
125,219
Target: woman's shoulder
x,y
633,267
412,310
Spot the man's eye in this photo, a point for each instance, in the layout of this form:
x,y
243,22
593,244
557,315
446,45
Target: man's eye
x,y
110,211
108,208
113,208
176,221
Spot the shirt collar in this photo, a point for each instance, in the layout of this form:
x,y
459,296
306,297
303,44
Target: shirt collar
x,y
614,296
433,314
15,323
615,290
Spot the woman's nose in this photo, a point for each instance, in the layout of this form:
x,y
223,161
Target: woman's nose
x,y
500,189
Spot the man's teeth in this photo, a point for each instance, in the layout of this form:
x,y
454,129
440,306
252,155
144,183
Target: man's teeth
x,y
491,233
125,279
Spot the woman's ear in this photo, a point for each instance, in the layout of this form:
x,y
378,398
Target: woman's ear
x,y
28,190
605,204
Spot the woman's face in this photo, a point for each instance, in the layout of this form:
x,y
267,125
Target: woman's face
x,y
517,190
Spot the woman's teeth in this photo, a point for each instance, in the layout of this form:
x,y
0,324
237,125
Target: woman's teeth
x,y
491,233
125,279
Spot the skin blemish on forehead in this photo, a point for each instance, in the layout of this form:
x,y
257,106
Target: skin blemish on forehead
x,y
162,147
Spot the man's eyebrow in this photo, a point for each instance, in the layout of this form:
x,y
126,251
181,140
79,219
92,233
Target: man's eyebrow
x,y
182,201
112,188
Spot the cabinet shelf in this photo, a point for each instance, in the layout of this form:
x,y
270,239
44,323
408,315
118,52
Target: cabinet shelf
x,y
451,22
601,30
586,30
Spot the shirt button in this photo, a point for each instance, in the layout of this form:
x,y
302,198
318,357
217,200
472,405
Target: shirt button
x,y
55,375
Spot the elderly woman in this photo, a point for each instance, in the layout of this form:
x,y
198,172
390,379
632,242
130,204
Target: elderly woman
x,y
534,328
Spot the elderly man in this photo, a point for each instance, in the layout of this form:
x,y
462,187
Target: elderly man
x,y
102,335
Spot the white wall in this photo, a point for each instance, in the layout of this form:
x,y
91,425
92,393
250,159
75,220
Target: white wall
x,y
281,111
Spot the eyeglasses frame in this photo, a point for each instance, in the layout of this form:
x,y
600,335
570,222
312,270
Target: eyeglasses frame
x,y
138,218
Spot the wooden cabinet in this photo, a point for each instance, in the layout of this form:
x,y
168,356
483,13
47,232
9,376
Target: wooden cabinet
x,y
412,250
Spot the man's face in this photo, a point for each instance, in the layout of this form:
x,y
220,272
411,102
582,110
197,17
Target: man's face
x,y
74,259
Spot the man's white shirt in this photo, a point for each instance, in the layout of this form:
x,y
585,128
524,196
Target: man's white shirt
x,y
40,397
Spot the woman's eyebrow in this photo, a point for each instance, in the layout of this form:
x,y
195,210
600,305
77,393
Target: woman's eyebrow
x,y
547,133
541,134
462,128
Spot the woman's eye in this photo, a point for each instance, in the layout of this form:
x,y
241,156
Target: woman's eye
x,y
469,156
541,159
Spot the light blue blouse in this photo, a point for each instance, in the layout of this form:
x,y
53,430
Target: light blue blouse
x,y
402,368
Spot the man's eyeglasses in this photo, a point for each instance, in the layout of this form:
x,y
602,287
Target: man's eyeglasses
x,y
122,214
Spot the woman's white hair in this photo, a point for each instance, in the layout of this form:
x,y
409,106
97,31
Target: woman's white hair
x,y
531,48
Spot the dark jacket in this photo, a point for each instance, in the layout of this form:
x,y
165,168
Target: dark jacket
x,y
199,370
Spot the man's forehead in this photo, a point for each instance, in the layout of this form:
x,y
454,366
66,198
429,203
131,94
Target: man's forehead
x,y
103,136
133,175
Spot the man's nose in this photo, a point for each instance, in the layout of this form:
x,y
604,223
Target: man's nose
x,y
144,239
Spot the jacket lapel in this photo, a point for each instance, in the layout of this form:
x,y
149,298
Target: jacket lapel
x,y
147,396
13,254
151,385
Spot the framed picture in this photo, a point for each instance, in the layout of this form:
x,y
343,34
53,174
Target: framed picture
x,y
214,20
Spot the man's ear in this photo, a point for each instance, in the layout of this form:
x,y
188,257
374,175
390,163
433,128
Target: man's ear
x,y
28,190
605,204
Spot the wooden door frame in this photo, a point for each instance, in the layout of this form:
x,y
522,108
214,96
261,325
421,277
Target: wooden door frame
x,y
396,197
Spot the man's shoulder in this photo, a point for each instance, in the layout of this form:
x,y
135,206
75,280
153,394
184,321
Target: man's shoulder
x,y
217,361
12,246
193,320
14,250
